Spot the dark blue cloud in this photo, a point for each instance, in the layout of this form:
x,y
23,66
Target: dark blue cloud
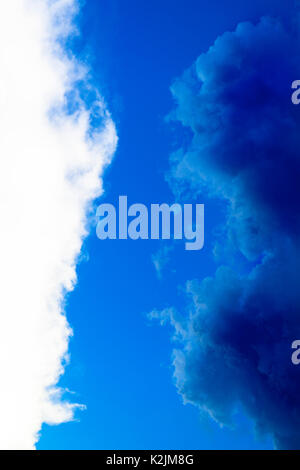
x,y
245,148
236,99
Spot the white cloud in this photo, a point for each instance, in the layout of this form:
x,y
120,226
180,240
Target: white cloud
x,y
49,174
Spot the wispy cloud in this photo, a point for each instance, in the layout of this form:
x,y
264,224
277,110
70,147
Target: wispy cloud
x,y
161,258
50,172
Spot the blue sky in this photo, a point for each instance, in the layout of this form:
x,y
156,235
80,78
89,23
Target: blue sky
x,y
121,366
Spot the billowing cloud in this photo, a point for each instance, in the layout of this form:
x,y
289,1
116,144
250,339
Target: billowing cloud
x,y
237,332
52,159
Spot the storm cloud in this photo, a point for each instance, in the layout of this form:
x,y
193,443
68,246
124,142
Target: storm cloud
x,y
234,340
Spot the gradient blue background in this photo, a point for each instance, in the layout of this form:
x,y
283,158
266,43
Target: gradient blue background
x,y
121,363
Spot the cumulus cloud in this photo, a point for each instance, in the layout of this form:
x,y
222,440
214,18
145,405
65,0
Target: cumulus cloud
x,y
52,159
237,332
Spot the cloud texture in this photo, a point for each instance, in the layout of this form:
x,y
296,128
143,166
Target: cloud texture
x,y
51,163
237,331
